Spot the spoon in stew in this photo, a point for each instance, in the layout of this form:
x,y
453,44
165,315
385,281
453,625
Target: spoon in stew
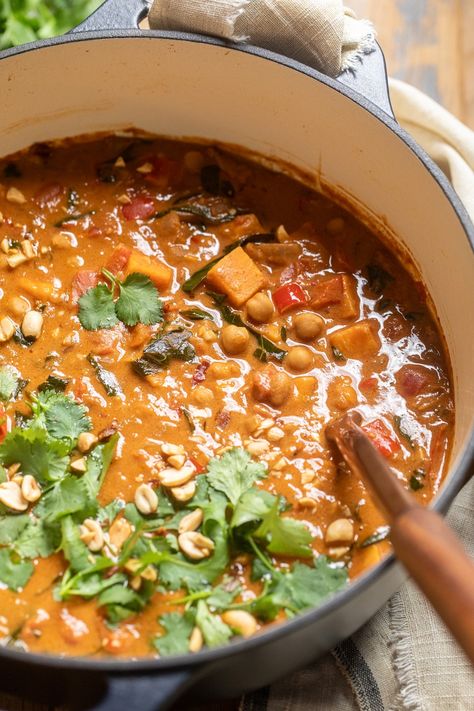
x,y
421,539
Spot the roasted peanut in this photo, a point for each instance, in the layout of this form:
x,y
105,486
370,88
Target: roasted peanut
x,y
241,621
191,521
146,499
92,535
194,545
12,497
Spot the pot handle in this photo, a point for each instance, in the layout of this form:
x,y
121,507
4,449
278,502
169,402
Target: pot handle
x,y
147,692
115,15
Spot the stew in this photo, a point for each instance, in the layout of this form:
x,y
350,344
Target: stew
x,y
178,325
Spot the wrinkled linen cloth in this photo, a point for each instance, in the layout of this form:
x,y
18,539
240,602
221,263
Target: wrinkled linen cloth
x,y
320,33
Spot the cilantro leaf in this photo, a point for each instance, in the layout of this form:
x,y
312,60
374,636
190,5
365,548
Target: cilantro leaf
x,y
303,587
214,630
178,631
11,527
234,473
284,536
14,573
10,383
63,418
69,496
44,458
75,551
138,301
38,540
97,308
252,506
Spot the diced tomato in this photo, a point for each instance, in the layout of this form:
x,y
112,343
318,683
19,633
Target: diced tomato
x,y
200,372
3,423
382,437
199,467
82,282
139,209
328,291
49,194
411,381
94,232
118,260
104,341
288,296
368,384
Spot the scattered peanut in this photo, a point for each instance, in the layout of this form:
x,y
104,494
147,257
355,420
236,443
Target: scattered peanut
x,y
146,499
16,196
191,521
145,168
257,447
119,531
184,493
30,489
119,163
79,466
241,621
32,324
14,260
7,329
169,449
175,477
340,531
275,434
86,441
194,545
18,305
338,552
12,497
177,460
196,640
92,535
28,249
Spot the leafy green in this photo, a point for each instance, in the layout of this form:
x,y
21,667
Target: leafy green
x,y
252,506
46,459
38,540
11,383
105,377
11,527
416,480
97,308
178,631
54,382
75,551
63,418
14,573
172,345
234,473
214,630
26,20
380,534
73,218
196,314
299,589
403,426
138,302
378,278
285,536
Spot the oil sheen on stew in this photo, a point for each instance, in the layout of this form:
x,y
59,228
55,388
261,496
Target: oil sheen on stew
x,y
178,326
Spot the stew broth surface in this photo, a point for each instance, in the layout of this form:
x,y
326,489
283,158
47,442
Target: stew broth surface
x,y
347,327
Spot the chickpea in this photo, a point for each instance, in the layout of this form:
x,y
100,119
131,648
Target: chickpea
x,y
307,325
299,358
234,339
260,308
341,394
272,386
202,396
18,305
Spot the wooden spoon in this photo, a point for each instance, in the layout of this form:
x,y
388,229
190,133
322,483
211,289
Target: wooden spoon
x,y
422,540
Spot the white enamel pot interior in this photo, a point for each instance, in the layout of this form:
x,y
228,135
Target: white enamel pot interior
x,y
184,87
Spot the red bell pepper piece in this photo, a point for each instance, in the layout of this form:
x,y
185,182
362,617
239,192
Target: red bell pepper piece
x,y
382,437
288,296
140,208
3,423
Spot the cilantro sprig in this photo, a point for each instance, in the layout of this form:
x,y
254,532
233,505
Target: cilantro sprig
x,y
134,300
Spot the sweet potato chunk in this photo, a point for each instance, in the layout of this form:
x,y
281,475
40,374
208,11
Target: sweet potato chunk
x,y
159,273
40,290
339,293
237,276
358,341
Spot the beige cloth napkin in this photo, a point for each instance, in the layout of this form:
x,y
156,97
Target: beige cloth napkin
x,y
320,33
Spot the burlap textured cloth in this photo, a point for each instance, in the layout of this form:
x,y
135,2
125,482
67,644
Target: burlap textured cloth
x,y
320,33
404,659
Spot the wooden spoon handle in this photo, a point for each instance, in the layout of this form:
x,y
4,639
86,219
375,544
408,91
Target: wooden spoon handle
x,y
437,562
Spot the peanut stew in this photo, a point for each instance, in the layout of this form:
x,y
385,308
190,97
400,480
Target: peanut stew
x,y
178,325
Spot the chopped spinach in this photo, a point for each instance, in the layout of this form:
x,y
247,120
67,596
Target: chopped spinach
x,y
378,278
380,534
172,345
212,182
54,382
107,379
195,314
417,479
73,218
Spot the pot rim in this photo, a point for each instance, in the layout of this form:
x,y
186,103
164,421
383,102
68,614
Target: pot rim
x,y
456,478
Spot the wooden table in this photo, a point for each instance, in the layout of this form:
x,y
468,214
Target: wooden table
x,y
428,43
